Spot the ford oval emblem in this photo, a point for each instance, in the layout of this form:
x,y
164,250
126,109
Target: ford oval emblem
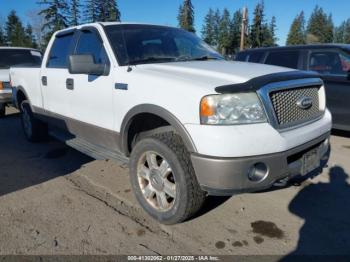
x,y
305,102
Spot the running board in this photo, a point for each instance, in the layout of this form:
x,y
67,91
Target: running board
x,y
94,151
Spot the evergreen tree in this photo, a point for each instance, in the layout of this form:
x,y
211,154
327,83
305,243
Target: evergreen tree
x,y
273,29
216,26
90,11
236,25
74,11
29,37
225,33
107,11
208,31
15,34
186,16
2,36
257,28
339,33
320,27
55,15
297,35
347,32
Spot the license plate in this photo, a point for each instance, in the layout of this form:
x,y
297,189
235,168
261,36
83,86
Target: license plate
x,y
311,161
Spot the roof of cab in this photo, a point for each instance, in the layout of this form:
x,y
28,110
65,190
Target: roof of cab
x,y
69,29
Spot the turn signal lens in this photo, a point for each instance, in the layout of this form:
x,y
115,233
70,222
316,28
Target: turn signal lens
x,y
1,85
207,107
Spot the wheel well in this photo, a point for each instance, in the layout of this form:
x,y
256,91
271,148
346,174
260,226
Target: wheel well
x,y
20,98
141,123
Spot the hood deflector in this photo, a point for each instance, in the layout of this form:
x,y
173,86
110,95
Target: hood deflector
x,y
256,83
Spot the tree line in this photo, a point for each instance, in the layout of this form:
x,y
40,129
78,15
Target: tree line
x,y
56,15
221,28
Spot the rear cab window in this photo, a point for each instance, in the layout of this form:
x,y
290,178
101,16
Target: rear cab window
x,y
288,59
19,57
330,62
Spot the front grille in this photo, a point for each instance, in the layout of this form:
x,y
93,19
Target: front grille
x,y
287,110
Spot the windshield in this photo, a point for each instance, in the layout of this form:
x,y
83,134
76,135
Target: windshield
x,y
142,44
19,57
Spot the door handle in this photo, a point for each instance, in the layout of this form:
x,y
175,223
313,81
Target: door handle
x,y
70,84
44,80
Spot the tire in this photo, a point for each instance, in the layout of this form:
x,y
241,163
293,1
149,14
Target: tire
x,y
170,197
34,129
2,110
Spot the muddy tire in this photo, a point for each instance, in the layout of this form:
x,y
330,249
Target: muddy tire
x,y
34,129
163,178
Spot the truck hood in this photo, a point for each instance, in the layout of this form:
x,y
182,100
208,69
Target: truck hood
x,y
211,73
4,75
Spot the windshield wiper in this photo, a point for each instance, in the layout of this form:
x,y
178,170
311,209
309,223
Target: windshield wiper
x,y
151,60
205,58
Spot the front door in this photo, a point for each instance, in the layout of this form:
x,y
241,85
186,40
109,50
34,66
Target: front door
x,y
91,103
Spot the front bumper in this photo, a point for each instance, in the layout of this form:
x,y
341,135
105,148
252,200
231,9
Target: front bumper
x,y
227,176
5,96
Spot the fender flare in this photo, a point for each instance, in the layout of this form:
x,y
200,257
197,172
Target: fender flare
x,y
15,93
160,112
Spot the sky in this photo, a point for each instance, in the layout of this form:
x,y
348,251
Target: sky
x,y
165,11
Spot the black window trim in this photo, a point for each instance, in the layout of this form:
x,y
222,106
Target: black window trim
x,y
299,62
70,50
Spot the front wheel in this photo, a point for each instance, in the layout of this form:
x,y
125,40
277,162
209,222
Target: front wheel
x,y
163,178
34,129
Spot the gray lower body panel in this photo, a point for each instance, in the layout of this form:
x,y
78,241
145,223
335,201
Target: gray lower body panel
x,y
227,176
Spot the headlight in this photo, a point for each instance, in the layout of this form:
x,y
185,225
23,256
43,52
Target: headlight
x,y
231,109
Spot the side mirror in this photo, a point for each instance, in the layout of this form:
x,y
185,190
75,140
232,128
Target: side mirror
x,y
84,64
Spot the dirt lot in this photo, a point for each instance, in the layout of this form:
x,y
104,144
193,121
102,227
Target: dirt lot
x,y
55,200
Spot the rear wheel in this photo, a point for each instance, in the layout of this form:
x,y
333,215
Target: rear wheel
x,y
2,110
34,129
163,178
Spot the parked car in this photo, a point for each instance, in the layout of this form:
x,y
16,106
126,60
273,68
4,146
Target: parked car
x,y
331,61
13,56
188,122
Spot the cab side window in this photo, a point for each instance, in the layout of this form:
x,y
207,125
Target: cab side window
x,y
60,51
283,58
330,63
90,44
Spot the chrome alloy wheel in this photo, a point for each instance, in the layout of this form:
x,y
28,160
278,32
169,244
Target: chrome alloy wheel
x,y
156,181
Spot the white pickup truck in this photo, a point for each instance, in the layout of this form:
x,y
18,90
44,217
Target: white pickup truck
x,y
10,57
189,123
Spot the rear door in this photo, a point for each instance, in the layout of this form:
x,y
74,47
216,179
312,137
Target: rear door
x,y
334,66
56,96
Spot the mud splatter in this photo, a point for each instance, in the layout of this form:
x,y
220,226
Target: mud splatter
x,y
258,240
268,229
220,245
127,190
245,242
140,232
237,244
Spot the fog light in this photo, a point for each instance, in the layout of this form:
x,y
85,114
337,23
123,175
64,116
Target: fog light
x,y
258,172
